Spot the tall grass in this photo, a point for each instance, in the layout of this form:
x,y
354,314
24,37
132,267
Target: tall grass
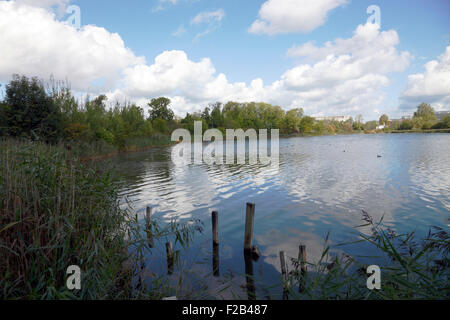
x,y
56,211
410,269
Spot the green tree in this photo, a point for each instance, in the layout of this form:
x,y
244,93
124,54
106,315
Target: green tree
x,y
160,125
207,116
425,111
30,111
306,124
292,121
384,120
160,109
371,125
217,119
443,124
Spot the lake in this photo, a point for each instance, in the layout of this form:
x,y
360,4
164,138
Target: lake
x,y
322,185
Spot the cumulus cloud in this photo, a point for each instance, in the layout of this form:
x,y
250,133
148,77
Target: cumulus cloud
x,y
346,76
285,16
33,42
431,86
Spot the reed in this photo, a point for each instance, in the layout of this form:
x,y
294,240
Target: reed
x,y
56,211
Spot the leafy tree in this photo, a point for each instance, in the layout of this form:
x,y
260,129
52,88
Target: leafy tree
x,y
30,111
371,125
207,116
160,125
160,109
443,124
306,124
425,111
292,121
384,120
406,125
217,119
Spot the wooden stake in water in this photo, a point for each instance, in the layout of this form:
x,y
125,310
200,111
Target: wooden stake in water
x,y
250,215
215,227
215,232
249,276
303,269
148,226
284,273
169,251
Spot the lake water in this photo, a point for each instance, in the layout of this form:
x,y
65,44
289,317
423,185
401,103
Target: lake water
x,y
321,185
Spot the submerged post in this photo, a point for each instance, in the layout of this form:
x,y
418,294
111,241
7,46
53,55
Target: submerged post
x,y
303,269
250,215
249,277
169,251
215,227
148,226
215,232
284,273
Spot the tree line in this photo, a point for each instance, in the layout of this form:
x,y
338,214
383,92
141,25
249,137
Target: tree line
x,y
49,112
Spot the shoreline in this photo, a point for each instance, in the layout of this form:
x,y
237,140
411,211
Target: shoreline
x,y
127,150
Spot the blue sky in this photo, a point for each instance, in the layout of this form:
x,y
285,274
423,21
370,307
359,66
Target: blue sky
x,y
195,69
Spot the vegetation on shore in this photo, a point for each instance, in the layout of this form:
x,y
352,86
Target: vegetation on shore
x,y
410,268
56,211
49,112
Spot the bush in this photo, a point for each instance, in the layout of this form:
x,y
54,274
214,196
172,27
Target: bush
x,y
443,124
31,111
406,125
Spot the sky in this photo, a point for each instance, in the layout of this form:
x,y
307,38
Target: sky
x,y
329,57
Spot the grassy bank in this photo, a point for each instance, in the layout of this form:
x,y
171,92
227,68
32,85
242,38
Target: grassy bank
x,y
56,211
101,149
421,131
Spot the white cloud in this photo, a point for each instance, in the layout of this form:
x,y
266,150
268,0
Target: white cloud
x,y
346,76
285,16
431,86
34,43
59,5
208,17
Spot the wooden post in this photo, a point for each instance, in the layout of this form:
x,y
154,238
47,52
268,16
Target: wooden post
x,y
284,273
250,215
215,227
283,265
148,226
215,233
251,292
303,269
302,258
169,251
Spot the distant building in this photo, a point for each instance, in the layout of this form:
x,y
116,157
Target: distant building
x,y
381,127
334,118
441,114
